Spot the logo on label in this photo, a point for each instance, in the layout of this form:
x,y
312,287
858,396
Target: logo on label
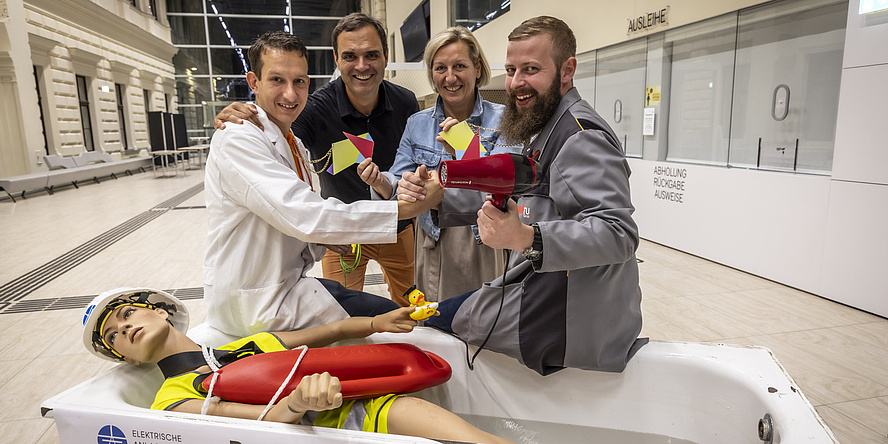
x,y
111,435
523,210
88,311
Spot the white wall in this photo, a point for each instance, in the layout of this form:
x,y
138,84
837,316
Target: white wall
x,y
856,239
757,221
595,23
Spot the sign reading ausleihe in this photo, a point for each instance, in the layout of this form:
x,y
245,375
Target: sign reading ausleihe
x,y
649,20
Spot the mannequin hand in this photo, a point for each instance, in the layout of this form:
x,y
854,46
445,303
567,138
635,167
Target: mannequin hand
x,y
395,321
317,392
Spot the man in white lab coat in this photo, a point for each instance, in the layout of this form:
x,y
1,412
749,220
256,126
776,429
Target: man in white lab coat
x,y
265,220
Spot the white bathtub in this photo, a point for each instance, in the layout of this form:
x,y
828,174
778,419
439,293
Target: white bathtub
x,y
669,393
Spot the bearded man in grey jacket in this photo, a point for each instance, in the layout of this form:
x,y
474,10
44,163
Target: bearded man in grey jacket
x,y
570,297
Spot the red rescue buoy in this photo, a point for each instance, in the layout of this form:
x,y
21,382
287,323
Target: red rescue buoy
x,y
365,371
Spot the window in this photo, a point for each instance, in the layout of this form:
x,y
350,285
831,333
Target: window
x,y
702,73
85,121
40,110
242,31
474,14
193,6
188,30
135,3
120,90
274,7
339,8
192,61
315,32
213,37
584,79
619,86
152,8
786,94
146,95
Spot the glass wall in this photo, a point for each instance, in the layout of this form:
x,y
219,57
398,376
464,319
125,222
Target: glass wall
x,y
757,88
213,37
789,67
619,80
702,70
584,79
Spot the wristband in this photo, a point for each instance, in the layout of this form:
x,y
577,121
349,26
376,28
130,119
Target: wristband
x,y
371,325
293,411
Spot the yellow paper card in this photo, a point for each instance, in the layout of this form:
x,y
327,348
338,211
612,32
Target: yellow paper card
x,y
458,136
344,155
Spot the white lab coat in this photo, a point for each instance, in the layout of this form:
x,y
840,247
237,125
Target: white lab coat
x,y
263,225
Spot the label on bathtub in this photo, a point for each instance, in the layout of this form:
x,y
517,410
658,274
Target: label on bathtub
x,y
111,435
151,436
153,427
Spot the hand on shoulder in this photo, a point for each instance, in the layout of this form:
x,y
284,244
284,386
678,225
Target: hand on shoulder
x,y
237,112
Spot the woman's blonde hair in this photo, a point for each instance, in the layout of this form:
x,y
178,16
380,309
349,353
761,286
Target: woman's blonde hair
x,y
456,34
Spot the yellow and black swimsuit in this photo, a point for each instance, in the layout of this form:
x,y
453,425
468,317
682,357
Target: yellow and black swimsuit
x,y
369,415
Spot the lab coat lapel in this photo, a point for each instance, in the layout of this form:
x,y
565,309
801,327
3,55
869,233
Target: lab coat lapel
x,y
278,139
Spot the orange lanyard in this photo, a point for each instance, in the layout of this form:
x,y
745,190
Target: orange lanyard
x,y
300,162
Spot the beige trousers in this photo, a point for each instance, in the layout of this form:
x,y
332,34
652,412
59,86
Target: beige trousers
x,y
454,264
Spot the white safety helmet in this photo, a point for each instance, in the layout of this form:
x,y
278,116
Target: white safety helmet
x,y
97,312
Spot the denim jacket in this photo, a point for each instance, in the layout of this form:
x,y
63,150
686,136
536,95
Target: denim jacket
x,y
419,147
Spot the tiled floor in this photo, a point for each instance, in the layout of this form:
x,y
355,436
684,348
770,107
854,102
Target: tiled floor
x,y
837,355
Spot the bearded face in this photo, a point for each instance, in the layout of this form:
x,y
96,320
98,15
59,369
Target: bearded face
x,y
519,125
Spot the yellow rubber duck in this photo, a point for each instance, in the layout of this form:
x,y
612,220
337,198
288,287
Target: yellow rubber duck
x,y
422,309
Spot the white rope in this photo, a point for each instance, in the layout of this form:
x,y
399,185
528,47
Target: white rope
x,y
286,381
210,359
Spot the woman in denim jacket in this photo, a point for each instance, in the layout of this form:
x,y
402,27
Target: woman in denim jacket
x,y
449,261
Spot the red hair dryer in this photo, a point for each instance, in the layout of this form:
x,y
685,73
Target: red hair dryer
x,y
501,175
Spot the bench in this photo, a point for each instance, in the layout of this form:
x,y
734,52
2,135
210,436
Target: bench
x,y
71,170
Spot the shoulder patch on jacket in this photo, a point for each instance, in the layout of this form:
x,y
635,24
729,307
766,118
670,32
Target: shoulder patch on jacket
x,y
586,124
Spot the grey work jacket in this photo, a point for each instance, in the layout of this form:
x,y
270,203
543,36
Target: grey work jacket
x,y
581,307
